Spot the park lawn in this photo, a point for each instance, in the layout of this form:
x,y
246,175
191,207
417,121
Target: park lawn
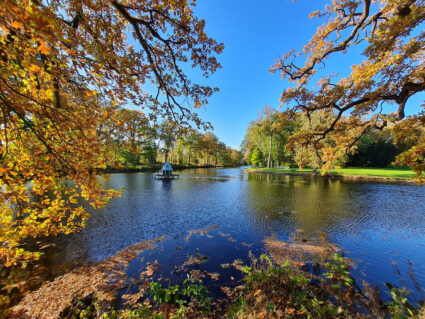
x,y
352,171
380,172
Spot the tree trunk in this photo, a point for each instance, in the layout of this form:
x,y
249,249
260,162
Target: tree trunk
x,y
270,152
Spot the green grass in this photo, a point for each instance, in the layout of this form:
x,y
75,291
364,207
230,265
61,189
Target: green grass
x,y
352,171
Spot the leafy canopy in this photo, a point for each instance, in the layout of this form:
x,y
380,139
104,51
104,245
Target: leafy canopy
x,y
375,93
64,67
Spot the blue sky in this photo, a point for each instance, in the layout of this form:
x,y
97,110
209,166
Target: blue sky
x,y
255,33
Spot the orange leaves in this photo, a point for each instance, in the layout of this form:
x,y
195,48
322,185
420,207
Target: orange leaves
x,y
197,105
314,14
16,24
43,48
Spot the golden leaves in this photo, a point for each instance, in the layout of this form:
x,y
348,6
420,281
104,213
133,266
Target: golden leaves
x,y
43,48
391,73
314,14
16,24
197,105
56,76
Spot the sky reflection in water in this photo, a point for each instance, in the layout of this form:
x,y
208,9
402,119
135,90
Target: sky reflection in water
x,y
375,223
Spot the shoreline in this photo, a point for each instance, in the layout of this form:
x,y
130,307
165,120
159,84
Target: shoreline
x,y
176,167
359,178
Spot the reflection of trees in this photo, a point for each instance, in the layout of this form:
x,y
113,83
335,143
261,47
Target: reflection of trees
x,y
290,202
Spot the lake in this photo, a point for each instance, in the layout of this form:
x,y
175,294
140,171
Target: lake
x,y
379,225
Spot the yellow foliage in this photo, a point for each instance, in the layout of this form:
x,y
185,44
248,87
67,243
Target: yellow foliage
x,y
64,68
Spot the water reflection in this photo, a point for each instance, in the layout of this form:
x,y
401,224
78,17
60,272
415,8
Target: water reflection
x,y
376,223
313,204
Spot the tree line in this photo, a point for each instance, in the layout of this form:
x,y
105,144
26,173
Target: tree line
x,y
271,141
130,140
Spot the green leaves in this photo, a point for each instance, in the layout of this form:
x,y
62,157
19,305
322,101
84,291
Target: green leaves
x,y
181,295
338,271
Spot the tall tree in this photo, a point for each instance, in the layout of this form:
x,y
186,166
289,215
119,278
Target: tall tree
x,y
60,62
268,125
168,132
392,34
269,133
208,146
253,139
191,141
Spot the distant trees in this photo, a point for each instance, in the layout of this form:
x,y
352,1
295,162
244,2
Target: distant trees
x,y
127,138
269,124
190,142
195,148
375,148
269,135
130,140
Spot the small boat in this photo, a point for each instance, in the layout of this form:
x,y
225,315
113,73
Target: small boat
x,y
166,172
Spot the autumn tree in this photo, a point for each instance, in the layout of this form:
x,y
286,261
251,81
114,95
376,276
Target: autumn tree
x,y
63,65
193,147
308,155
208,145
269,124
376,91
191,141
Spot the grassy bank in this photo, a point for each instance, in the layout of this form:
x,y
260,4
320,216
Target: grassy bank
x,y
373,173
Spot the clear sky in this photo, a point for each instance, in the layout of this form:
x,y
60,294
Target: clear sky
x,y
255,33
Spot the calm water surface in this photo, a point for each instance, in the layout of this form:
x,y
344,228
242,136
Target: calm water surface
x,y
380,226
